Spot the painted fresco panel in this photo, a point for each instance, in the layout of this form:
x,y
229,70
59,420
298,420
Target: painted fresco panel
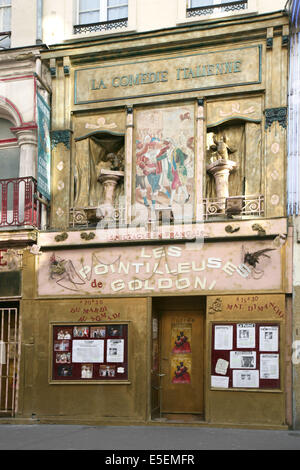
x,y
164,158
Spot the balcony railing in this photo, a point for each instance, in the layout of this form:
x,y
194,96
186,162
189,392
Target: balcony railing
x,y
20,203
102,26
212,209
235,206
218,8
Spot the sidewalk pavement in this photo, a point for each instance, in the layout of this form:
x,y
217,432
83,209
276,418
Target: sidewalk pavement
x,y
139,438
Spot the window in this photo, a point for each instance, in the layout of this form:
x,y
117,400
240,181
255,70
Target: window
x,y
5,23
97,11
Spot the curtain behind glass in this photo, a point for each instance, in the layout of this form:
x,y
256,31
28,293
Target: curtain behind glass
x,y
117,9
89,11
201,3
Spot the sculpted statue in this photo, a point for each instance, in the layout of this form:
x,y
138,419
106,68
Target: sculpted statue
x,y
220,149
112,162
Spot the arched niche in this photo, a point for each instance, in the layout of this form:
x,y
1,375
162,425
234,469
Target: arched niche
x,y
92,152
244,141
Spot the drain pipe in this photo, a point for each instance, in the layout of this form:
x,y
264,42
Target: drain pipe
x,y
39,21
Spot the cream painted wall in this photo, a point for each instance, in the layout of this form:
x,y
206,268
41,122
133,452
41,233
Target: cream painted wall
x,y
23,23
144,15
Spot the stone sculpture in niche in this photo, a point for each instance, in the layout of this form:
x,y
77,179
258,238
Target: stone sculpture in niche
x,y
220,149
220,166
111,161
110,171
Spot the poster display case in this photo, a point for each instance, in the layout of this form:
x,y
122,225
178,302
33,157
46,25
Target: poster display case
x,y
85,353
245,356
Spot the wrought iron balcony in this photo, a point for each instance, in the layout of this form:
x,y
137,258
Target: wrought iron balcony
x,y
90,217
103,26
240,206
212,209
20,203
218,8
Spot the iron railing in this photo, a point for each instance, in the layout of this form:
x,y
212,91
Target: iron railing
x,y
9,360
102,26
218,8
212,209
91,217
20,203
220,208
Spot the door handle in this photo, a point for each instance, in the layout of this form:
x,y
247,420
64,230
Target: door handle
x,y
161,375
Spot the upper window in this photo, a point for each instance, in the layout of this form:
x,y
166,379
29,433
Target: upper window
x,y
5,23
209,7
95,11
101,15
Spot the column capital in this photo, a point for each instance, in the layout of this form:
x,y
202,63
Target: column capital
x,y
26,134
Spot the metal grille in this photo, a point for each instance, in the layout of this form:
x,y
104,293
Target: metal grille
x,y
252,206
222,7
103,26
9,360
20,202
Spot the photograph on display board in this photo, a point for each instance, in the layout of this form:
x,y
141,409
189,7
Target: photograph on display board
x,y
80,332
107,371
64,371
115,330
62,345
165,157
181,339
87,371
98,332
63,358
181,369
65,333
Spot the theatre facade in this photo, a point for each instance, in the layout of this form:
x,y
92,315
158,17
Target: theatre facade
x,y
161,292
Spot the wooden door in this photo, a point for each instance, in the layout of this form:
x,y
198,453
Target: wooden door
x,y
182,361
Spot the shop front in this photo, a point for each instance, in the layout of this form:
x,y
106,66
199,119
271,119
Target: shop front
x,y
157,333
161,292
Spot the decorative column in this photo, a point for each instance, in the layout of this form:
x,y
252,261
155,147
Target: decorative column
x,y
27,140
221,170
199,157
128,164
109,179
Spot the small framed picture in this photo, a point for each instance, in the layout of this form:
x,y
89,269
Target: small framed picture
x,y
87,371
115,330
62,345
65,371
98,332
107,371
63,358
81,332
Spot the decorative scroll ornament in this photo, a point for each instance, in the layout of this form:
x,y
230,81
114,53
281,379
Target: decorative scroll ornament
x,y
216,306
276,115
87,236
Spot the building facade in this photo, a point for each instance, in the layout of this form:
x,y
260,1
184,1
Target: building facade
x,y
160,290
